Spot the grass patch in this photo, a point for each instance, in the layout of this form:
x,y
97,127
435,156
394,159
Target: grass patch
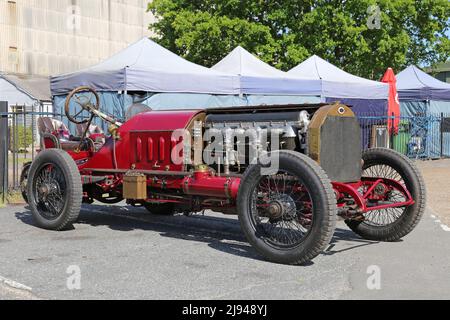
x,y
12,198
21,159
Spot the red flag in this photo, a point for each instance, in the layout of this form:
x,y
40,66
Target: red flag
x,y
394,104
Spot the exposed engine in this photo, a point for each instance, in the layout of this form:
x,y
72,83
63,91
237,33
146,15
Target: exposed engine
x,y
245,136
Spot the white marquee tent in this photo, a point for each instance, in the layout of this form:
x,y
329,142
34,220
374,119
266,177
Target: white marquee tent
x,y
257,77
337,83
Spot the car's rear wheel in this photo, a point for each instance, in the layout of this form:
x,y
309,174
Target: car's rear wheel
x,y
391,224
54,190
24,180
289,216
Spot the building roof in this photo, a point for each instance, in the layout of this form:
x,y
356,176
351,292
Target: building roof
x,y
441,67
37,87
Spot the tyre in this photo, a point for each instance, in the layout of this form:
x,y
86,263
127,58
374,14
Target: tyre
x,y
166,209
288,217
54,190
394,223
24,180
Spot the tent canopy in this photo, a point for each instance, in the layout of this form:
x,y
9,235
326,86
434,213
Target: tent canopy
x,y
337,83
257,77
243,63
414,84
146,66
24,89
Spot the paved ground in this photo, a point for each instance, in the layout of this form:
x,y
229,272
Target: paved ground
x,y
437,178
132,255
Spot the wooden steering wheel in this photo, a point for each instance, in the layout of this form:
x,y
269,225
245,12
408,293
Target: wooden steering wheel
x,y
87,100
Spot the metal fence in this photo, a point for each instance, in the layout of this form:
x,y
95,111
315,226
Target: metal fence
x,y
20,142
419,137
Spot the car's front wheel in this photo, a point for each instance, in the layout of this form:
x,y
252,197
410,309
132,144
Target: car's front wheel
x,y
391,224
288,215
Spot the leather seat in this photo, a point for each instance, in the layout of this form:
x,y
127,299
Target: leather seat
x,y
55,134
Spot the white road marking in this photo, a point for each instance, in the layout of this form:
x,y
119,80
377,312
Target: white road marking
x,y
438,221
14,284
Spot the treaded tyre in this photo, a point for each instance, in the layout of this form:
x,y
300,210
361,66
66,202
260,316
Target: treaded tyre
x,y
166,209
288,217
391,224
24,180
54,190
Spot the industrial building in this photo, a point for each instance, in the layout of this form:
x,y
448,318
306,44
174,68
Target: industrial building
x,y
441,71
50,37
40,38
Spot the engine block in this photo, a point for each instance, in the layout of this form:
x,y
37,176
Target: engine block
x,y
256,133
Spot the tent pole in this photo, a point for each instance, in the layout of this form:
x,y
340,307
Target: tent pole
x,y
442,134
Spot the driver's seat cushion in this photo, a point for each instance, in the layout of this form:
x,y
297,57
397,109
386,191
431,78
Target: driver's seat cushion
x,y
55,134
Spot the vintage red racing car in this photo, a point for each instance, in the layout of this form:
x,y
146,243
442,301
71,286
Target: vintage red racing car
x,y
287,172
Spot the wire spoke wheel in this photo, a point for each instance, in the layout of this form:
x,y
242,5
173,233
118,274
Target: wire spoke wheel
x,y
49,189
54,190
288,217
385,217
390,224
282,210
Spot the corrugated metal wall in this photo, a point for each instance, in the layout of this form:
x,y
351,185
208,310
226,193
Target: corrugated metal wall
x,y
49,37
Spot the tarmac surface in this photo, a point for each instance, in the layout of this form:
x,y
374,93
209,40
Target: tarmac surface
x,y
125,253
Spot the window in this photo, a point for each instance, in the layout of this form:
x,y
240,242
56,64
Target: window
x,y
12,12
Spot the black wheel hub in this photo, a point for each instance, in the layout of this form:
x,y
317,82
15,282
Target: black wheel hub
x,y
281,212
49,190
283,207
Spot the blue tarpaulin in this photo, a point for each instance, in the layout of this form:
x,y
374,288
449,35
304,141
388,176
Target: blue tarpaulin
x,y
422,96
115,103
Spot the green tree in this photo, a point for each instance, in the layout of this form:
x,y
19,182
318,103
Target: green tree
x,y
363,37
